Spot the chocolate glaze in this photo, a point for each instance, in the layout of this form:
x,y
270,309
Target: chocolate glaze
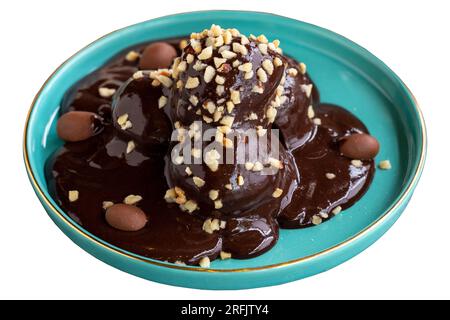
x,y
101,170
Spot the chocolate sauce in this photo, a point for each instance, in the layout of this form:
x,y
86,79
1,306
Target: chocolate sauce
x,y
316,177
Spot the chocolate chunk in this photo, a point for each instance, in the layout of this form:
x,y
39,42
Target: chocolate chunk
x,y
359,146
77,125
157,55
125,217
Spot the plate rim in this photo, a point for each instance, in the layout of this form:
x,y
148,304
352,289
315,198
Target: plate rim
x,y
407,191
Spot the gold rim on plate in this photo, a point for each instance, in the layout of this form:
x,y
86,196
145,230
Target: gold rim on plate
x,y
126,254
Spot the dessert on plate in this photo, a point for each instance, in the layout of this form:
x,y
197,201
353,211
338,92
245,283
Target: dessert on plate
x,y
188,150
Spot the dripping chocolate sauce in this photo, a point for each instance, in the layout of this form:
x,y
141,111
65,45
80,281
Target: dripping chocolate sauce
x,y
101,170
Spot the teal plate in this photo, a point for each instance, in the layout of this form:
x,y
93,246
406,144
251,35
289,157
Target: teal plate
x,y
345,74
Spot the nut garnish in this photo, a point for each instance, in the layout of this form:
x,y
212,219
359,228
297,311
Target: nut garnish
x,y
219,61
225,255
210,72
262,75
263,48
258,166
218,204
107,204
206,53
240,180
277,193
130,146
385,165
235,96
292,72
132,56
189,206
188,171
317,121
199,182
336,210
307,88
192,82
220,79
211,225
228,54
213,194
204,262
268,66
229,186
316,220
162,102
73,195
311,112
132,199
330,176
357,163
302,67
106,92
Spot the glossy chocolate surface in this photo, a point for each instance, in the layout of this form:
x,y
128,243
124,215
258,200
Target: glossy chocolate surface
x,y
101,169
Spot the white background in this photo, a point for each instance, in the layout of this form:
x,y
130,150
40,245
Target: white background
x,y
411,261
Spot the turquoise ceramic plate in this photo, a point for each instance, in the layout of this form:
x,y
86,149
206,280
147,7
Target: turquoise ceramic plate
x,y
345,73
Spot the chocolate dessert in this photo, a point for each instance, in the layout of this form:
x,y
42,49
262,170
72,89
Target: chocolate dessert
x,y
187,150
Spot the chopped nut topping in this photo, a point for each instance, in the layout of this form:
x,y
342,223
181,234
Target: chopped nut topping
x,y
219,61
193,100
277,193
228,54
263,48
188,171
262,75
156,83
246,67
249,165
230,106
244,40
385,165
183,44
268,66
223,224
199,66
106,92
225,255
229,186
211,160
240,180
337,210
162,102
262,38
199,182
260,131
107,204
311,112
330,176
196,153
190,206
258,166
236,63
227,37
271,113
206,53
277,62
180,84
189,58
210,72
235,96
258,89
357,163
178,160
213,194
302,67
276,163
123,122
227,121
220,90
132,199
211,225
192,83
204,262
323,214
210,106
130,146
307,88
316,220
220,79
248,75
239,48
252,116
317,121
218,204
292,72
138,75
228,143
132,56
73,195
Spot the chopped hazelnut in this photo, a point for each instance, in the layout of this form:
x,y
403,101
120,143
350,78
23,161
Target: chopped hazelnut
x,y
132,56
357,163
162,102
277,193
385,165
218,204
213,194
132,199
199,182
192,82
337,210
107,204
316,220
106,92
73,195
130,146
225,255
205,262
210,72
330,176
